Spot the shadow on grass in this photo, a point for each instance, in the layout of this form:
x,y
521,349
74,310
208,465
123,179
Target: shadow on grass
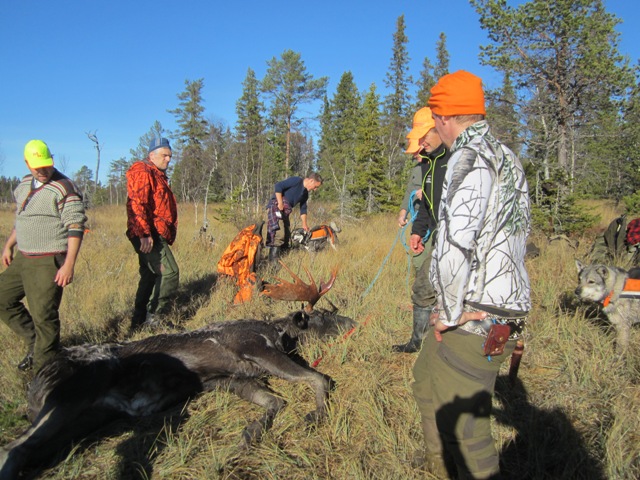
x,y
136,454
546,444
570,304
190,298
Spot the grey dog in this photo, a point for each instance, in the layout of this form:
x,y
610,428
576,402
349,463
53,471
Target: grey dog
x,y
605,285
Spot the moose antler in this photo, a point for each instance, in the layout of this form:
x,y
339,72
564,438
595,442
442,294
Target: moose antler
x,y
298,290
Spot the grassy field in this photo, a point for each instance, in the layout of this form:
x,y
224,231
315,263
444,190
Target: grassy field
x,y
572,415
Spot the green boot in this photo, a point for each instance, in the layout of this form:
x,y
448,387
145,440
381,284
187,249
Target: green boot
x,y
420,324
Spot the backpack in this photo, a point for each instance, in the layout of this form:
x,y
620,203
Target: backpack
x,y
615,245
239,261
633,232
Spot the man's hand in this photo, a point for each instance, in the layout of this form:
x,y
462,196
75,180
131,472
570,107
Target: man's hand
x,y
415,242
146,244
64,276
439,327
7,251
402,218
419,194
7,256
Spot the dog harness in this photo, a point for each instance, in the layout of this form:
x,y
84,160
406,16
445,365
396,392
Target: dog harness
x,y
631,290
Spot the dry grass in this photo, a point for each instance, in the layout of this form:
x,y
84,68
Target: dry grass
x,y
574,413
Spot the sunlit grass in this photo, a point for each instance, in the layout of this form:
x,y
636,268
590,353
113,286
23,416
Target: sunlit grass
x,y
575,410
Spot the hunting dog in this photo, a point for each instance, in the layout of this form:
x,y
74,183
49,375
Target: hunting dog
x,y
317,238
88,386
611,287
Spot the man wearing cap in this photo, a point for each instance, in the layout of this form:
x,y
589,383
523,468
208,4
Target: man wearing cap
x,y
425,144
152,223
48,232
480,278
287,194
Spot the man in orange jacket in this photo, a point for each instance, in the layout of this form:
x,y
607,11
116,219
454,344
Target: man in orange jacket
x,y
152,223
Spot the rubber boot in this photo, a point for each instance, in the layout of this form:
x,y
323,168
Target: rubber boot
x,y
420,323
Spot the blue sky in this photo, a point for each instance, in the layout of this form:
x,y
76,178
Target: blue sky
x,y
115,67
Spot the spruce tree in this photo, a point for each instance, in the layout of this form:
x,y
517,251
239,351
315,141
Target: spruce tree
x,y
397,113
253,181
338,141
370,185
442,54
424,84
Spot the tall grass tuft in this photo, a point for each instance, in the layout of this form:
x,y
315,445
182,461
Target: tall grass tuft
x,y
572,414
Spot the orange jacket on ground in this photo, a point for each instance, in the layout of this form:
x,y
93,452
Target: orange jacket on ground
x,y
151,205
238,261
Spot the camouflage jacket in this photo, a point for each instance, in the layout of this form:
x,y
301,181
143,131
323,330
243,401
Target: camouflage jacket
x,y
483,225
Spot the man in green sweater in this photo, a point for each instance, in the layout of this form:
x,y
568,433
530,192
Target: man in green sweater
x,y
48,233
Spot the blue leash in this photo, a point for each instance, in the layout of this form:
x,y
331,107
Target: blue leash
x,y
412,214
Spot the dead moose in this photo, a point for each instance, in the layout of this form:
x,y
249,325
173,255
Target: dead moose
x,y
88,386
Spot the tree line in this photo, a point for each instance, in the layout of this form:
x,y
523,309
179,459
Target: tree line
x,y
568,105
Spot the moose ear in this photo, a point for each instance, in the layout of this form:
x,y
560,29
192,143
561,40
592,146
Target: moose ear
x,y
579,265
603,271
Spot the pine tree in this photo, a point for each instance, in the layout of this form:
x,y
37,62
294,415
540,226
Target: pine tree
x,y
288,85
563,58
141,151
191,167
561,54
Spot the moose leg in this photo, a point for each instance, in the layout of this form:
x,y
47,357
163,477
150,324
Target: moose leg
x,y
253,391
280,365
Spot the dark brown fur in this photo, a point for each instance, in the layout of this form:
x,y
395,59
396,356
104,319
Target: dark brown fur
x,y
89,385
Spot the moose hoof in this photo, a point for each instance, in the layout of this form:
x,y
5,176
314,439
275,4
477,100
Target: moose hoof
x,y
252,433
315,417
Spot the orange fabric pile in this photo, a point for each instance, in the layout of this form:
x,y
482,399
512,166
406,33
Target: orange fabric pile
x,y
238,261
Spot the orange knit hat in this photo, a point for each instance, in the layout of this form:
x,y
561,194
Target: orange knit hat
x,y
458,93
414,145
422,123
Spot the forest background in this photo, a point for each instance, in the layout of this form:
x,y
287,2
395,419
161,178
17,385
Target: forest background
x,y
567,105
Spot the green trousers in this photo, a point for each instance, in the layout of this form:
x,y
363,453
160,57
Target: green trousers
x,y
39,327
423,295
454,386
159,280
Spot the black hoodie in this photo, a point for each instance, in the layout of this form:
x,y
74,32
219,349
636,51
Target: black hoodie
x,y
434,168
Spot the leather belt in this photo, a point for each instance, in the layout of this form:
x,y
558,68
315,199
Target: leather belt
x,y
482,327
